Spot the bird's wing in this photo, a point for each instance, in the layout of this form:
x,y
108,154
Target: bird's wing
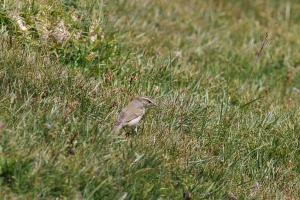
x,y
127,115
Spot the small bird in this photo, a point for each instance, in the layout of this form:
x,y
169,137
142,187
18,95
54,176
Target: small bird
x,y
133,112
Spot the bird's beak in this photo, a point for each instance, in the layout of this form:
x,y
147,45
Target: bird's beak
x,y
154,104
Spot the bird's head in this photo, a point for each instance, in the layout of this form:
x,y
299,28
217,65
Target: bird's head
x,y
146,101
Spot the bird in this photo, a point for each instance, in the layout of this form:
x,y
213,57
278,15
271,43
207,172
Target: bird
x,y
133,113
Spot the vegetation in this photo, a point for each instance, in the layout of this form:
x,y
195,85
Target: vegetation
x,y
224,73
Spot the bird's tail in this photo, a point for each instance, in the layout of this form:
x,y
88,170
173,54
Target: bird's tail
x,y
117,128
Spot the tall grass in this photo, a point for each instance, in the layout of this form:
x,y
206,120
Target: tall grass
x,y
223,73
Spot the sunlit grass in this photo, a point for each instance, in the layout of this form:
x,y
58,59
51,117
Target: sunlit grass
x,y
227,123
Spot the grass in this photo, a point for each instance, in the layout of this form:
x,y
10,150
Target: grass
x,y
223,73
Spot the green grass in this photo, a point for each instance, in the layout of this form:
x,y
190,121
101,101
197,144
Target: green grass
x,y
226,117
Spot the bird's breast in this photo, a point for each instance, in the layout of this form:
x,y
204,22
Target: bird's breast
x,y
133,122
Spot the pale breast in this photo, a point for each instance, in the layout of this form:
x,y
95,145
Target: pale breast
x,y
133,122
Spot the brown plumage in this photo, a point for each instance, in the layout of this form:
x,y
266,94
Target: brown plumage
x,y
133,112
